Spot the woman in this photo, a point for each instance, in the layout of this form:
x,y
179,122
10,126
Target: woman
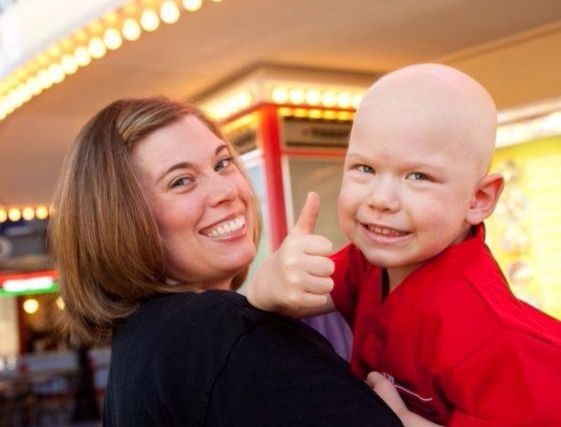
x,y
155,224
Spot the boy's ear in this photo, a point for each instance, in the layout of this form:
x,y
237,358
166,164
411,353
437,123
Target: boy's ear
x,y
485,198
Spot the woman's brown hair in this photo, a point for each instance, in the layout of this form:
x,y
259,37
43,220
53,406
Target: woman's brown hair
x,y
103,236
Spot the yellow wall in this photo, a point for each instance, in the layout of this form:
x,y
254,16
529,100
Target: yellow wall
x,y
526,227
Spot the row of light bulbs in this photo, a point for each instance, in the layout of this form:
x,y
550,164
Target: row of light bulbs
x,y
85,45
286,95
315,97
28,213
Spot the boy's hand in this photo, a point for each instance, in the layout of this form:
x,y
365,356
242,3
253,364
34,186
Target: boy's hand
x,y
389,394
296,279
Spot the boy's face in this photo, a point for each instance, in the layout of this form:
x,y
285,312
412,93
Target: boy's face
x,y
407,186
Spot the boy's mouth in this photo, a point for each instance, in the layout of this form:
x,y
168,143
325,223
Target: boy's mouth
x,y
385,231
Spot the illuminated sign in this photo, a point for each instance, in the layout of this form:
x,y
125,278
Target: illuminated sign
x,y
33,283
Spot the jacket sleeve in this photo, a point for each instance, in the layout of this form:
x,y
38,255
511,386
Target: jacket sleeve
x,y
513,380
282,373
350,267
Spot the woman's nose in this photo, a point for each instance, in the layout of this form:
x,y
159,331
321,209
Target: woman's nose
x,y
221,189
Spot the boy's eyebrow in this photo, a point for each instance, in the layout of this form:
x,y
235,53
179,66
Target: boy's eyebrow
x,y
357,155
186,165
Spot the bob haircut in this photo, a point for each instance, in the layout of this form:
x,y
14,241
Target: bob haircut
x,y
103,237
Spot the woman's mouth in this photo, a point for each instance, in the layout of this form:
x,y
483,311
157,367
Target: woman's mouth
x,y
225,228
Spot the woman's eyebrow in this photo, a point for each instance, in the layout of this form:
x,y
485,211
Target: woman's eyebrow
x,y
180,165
185,165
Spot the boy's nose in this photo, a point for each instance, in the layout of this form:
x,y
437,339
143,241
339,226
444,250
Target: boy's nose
x,y
384,195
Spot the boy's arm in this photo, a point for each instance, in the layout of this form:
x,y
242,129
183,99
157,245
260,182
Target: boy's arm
x,y
296,279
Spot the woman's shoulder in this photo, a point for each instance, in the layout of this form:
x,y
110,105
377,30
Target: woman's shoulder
x,y
207,310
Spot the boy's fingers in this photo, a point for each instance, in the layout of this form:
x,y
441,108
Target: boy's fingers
x,y
308,215
375,378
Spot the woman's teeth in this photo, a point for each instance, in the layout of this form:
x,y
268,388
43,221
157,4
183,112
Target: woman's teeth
x,y
227,227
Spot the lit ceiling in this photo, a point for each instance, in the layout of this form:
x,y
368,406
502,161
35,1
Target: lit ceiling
x,y
222,39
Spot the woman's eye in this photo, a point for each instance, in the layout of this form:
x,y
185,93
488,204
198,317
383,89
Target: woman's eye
x,y
223,163
417,176
364,169
181,182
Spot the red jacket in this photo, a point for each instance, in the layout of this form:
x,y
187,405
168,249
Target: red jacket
x,y
462,350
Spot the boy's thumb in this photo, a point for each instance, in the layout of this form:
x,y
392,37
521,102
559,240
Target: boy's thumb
x,y
308,215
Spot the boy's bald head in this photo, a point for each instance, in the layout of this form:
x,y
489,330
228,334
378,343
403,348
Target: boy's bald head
x,y
451,101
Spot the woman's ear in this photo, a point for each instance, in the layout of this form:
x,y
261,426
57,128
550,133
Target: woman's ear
x,y
485,198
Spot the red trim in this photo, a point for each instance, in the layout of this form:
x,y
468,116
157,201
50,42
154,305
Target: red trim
x,y
270,139
306,152
261,105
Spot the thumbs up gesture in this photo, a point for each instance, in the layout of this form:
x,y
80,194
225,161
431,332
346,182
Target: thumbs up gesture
x,y
296,279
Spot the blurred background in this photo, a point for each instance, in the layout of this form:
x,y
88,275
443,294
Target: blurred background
x,y
283,78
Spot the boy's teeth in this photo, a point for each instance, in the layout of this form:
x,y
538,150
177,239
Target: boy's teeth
x,y
226,228
384,231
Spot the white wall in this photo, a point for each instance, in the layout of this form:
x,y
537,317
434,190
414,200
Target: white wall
x,y
518,70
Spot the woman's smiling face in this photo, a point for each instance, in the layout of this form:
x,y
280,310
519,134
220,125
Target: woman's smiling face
x,y
201,201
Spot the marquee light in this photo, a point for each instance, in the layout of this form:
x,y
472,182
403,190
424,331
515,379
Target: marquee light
x,y
28,213
84,45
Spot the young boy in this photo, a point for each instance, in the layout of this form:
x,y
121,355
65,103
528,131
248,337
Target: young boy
x,y
428,305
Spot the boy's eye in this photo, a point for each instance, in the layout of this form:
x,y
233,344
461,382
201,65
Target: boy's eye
x,y
364,169
181,182
417,176
223,163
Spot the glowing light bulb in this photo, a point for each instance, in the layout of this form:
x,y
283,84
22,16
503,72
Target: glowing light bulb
x,y
45,79
28,213
35,85
82,56
169,12
97,48
69,64
329,98
56,72
192,5
344,100
149,20
244,99
131,30
279,95
31,305
112,39
41,212
3,216
296,96
313,97
14,214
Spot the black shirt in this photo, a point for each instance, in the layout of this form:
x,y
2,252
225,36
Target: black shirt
x,y
210,359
